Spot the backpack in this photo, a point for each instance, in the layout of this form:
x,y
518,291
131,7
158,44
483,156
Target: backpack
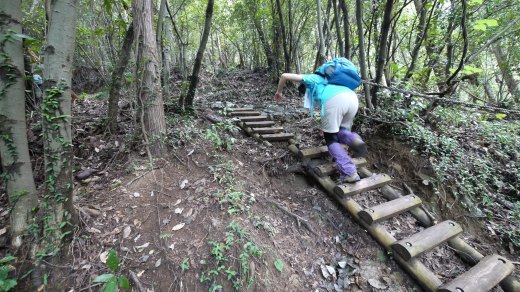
x,y
340,71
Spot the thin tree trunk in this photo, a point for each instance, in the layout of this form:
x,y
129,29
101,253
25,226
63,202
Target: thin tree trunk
x,y
117,79
149,95
267,48
166,64
14,149
198,59
505,68
57,134
321,49
346,27
286,55
420,37
383,47
362,58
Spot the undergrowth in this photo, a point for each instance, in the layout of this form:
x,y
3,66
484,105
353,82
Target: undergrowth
x,y
475,157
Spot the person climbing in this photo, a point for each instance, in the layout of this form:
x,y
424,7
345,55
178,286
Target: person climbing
x,y
339,105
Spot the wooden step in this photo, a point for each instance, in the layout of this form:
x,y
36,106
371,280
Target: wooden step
x,y
244,114
366,184
268,130
485,275
259,124
316,152
241,109
253,118
277,137
389,209
427,239
330,168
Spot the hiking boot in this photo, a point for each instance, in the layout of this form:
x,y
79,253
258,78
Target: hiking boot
x,y
350,178
359,148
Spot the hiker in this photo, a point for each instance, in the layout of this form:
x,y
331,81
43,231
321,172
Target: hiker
x,y
339,105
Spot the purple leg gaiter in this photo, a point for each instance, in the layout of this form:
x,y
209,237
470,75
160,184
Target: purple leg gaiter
x,y
346,137
345,164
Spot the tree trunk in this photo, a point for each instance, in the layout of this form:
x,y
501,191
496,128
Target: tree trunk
x,y
57,134
383,47
14,150
505,68
267,48
321,49
117,79
346,27
362,58
420,37
286,55
198,59
166,64
149,95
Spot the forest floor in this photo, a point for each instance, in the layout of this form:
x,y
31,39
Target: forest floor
x,y
209,218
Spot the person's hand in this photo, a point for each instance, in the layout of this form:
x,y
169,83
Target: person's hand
x,y
278,96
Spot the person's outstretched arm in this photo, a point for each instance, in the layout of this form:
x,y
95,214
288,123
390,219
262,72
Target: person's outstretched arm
x,y
283,79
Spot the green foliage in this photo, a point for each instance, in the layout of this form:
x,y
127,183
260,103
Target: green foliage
x,y
278,264
219,134
235,241
113,280
6,283
184,264
483,24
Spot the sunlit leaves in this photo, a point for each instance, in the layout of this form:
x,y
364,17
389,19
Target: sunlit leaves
x,y
483,24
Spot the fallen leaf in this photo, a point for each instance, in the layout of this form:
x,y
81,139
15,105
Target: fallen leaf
x,y
331,271
178,226
93,230
140,273
177,202
165,221
136,194
178,210
158,263
324,272
141,247
342,264
188,214
137,237
376,284
151,194
184,183
127,231
191,152
3,231
172,246
103,257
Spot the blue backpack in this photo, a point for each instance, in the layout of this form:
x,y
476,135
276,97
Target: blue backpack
x,y
340,71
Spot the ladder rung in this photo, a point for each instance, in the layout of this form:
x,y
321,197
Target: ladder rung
x,y
241,109
316,151
244,114
389,209
330,168
277,137
268,130
427,239
485,275
259,124
253,119
366,184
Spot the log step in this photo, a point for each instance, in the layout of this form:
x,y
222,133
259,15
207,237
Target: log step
x,y
268,130
389,209
330,168
277,137
316,152
366,184
427,239
485,275
244,114
241,109
253,118
259,124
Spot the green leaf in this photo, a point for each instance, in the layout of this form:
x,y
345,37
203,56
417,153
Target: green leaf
x,y
475,2
184,264
103,278
112,260
278,264
483,24
23,36
111,286
500,116
7,259
123,282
